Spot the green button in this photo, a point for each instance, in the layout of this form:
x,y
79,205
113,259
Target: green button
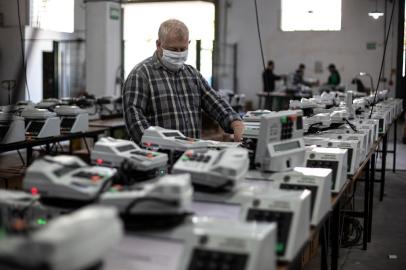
x,y
2,233
280,247
284,119
41,221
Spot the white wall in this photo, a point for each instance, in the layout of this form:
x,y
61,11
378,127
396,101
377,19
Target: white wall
x,y
9,10
10,59
345,48
103,48
10,50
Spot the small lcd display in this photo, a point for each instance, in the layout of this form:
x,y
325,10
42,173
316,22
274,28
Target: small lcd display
x,y
172,134
286,146
67,123
125,148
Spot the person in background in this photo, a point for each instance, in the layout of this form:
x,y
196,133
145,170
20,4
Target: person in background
x,y
164,91
269,78
298,77
334,78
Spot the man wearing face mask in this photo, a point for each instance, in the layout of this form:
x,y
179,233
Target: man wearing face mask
x,y
163,91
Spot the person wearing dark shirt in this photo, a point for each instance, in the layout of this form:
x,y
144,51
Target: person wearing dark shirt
x,y
269,78
334,78
298,76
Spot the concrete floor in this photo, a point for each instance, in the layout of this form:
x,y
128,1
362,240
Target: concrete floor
x,y
388,232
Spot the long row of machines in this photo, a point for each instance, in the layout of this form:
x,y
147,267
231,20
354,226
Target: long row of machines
x,y
188,203
53,117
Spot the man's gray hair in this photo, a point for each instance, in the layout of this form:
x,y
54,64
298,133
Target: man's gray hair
x,y
175,27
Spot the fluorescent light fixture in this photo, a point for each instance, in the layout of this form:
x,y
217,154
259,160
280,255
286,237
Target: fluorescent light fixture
x,y
375,14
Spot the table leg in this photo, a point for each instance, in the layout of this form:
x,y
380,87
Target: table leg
x,y
366,207
70,147
335,231
395,138
324,248
29,155
371,195
383,166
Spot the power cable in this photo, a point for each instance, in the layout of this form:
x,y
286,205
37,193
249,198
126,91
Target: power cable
x,y
22,49
383,57
260,43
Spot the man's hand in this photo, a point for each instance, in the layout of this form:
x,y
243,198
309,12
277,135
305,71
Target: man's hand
x,y
238,128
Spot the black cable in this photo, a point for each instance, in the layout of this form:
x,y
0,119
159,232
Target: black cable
x,y
22,49
259,35
383,57
354,128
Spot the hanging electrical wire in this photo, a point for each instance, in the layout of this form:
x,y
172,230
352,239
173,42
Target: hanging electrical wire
x,y
383,57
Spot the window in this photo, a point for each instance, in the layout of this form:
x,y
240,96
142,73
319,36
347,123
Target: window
x,y
54,15
311,15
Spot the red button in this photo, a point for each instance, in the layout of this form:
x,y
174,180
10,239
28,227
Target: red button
x,y
34,191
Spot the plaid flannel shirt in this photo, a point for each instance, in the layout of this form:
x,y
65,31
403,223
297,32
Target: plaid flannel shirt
x,y
156,96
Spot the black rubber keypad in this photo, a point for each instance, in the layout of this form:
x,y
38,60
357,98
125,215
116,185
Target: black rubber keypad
x,y
203,259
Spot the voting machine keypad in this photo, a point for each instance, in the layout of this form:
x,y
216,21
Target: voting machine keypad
x,y
283,219
203,259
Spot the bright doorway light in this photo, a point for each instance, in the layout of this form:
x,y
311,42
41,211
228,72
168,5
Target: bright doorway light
x,y
141,23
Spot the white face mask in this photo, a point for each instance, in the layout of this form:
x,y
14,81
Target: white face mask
x,y
174,60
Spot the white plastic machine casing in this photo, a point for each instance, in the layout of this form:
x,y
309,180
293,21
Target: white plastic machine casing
x,y
254,116
369,130
384,121
73,119
214,168
372,123
304,103
252,246
75,241
353,147
41,123
321,120
342,135
12,128
333,158
112,152
174,189
202,243
169,139
48,103
317,180
259,203
251,129
290,209
280,145
14,201
66,177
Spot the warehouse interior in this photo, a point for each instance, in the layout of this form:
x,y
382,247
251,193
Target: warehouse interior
x,y
186,134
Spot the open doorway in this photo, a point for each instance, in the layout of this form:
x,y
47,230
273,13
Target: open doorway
x,y
141,23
